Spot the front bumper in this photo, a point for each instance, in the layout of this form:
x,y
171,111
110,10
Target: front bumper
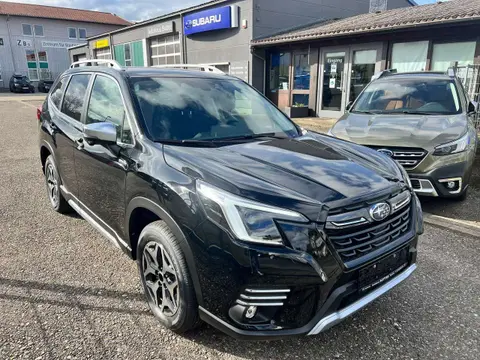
x,y
433,182
321,322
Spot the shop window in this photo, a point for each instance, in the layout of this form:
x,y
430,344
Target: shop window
x,y
165,50
300,100
445,54
301,79
279,71
38,30
27,29
32,64
72,33
363,68
128,55
104,53
82,33
409,56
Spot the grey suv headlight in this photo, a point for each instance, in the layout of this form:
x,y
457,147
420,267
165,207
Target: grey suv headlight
x,y
453,147
246,219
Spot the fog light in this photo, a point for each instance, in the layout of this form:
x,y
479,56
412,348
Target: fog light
x,y
451,184
251,311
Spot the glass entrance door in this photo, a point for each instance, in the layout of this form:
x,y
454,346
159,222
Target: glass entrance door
x,y
346,71
333,93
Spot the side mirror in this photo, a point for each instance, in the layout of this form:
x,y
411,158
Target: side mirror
x,y
472,107
349,106
104,132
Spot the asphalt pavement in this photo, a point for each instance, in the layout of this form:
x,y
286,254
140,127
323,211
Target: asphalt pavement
x,y
66,293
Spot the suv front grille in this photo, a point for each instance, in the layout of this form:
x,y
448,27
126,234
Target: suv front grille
x,y
354,243
407,157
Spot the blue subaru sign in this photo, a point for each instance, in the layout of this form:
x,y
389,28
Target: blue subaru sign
x,y
212,19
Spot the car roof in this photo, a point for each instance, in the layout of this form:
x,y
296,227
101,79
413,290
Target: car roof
x,y
152,72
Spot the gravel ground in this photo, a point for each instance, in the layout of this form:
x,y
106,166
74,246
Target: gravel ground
x,y
66,293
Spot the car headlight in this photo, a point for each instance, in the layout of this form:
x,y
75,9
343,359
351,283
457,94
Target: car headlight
x,y
453,147
405,176
246,219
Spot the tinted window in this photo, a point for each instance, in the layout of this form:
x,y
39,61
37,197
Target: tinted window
x,y
206,109
75,96
106,105
426,96
57,92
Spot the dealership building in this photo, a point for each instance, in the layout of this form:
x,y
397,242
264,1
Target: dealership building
x,y
34,39
317,69
218,33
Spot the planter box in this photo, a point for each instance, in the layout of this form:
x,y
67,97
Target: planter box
x,y
296,112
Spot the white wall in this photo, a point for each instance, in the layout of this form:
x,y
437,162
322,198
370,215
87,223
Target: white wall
x,y
12,56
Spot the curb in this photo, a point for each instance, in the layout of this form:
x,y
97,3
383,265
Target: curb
x,y
452,224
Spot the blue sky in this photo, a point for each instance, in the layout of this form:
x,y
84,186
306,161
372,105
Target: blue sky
x,y
132,10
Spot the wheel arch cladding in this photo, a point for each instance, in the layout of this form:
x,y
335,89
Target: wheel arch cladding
x,y
142,211
44,154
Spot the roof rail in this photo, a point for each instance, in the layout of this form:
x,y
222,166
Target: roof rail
x,y
384,73
200,67
91,62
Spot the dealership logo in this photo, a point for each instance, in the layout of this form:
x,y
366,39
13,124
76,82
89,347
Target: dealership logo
x,y
386,152
379,211
213,19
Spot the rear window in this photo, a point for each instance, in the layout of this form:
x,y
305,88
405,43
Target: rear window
x,y
57,92
423,96
183,108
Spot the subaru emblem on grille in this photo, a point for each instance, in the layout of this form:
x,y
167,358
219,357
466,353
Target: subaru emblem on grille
x,y
386,152
379,211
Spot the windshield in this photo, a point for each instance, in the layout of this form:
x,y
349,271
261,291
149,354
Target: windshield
x,y
206,109
21,79
422,96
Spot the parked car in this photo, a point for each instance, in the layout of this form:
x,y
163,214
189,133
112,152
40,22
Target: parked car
x,y
238,218
45,85
424,121
21,83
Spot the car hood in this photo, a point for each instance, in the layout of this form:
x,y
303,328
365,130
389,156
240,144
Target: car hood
x,y
424,131
310,169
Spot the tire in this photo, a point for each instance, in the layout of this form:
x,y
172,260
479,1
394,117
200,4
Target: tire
x,y
167,277
53,182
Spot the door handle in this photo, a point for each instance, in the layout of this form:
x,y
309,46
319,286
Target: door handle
x,y
79,143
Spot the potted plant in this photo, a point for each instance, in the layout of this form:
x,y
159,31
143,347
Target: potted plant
x,y
298,110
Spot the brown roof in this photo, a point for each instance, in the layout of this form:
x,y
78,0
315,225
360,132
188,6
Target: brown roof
x,y
53,12
442,12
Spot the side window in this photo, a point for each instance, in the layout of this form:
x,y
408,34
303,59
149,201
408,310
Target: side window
x,y
57,92
106,104
75,96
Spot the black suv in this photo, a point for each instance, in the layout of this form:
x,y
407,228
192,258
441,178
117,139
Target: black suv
x,y
21,83
234,214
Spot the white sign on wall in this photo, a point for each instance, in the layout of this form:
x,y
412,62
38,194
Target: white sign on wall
x,y
24,42
59,44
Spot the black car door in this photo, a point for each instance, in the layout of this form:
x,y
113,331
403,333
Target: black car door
x,y
65,109
102,168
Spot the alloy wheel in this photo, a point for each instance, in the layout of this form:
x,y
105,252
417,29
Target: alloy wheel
x,y
52,184
161,278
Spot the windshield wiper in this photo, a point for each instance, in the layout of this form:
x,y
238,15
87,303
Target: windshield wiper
x,y
413,112
191,142
365,112
252,136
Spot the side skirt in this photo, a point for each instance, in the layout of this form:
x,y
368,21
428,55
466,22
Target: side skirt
x,y
100,225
